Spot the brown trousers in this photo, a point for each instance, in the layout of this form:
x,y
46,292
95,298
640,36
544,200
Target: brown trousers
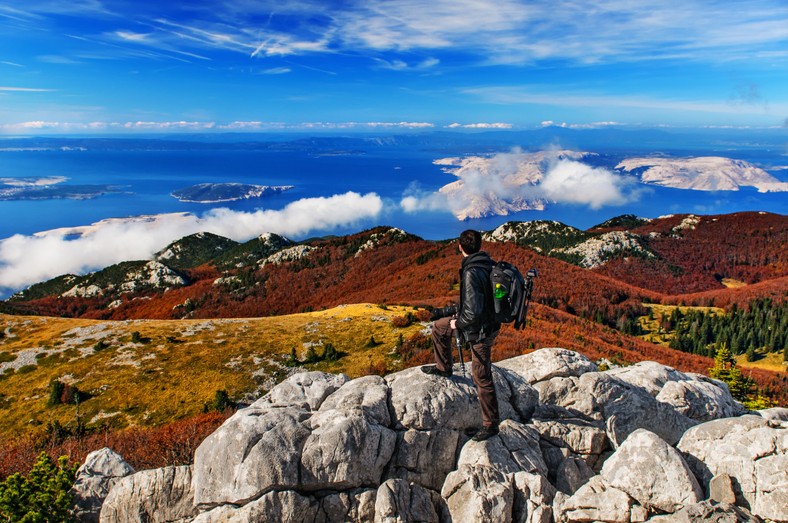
x,y
481,367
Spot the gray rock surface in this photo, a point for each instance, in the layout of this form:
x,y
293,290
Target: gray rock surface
x,y
514,449
653,473
775,413
533,498
545,364
479,494
709,512
400,502
273,506
151,496
753,451
594,501
701,399
97,475
368,395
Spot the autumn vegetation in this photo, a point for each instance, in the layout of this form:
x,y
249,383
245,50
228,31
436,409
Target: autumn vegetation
x,y
293,314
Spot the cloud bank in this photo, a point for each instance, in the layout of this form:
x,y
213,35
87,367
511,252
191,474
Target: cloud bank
x,y
516,181
25,260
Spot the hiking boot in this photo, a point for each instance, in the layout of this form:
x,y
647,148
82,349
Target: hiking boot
x,y
435,371
485,433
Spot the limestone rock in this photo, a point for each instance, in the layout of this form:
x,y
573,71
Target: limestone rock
x,y
572,474
701,399
253,452
709,512
344,451
426,457
648,375
652,472
423,402
533,498
479,494
273,506
354,506
721,489
753,451
97,475
305,390
400,502
594,501
775,414
580,436
514,449
517,399
151,496
368,394
545,364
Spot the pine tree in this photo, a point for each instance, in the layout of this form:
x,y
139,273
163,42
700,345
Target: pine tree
x,y
41,497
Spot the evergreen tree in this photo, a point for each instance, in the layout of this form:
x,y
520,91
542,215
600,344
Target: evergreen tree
x,y
41,497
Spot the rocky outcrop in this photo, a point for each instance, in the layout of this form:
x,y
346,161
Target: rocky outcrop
x,y
97,475
575,444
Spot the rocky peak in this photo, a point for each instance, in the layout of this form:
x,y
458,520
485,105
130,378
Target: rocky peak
x,y
575,444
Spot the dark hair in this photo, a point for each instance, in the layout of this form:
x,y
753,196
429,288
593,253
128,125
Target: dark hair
x,y
471,241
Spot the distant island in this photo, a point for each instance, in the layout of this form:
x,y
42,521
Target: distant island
x,y
50,188
226,192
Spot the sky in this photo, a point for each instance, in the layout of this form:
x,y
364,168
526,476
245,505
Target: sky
x,y
123,66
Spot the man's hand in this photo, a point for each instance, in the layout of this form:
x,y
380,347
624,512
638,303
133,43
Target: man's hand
x,y
453,324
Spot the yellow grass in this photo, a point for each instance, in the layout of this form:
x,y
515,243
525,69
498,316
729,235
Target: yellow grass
x,y
180,364
651,326
772,361
733,284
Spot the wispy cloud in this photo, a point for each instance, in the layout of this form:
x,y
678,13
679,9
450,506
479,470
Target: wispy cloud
x,y
277,70
25,89
498,125
28,259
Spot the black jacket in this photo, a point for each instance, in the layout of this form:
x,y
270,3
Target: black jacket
x,y
476,312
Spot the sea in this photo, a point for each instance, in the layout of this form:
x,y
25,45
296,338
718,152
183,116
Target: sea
x,y
145,180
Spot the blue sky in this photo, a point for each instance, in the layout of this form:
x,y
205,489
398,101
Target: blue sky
x,y
254,65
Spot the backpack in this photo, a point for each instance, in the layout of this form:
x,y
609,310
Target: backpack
x,y
511,293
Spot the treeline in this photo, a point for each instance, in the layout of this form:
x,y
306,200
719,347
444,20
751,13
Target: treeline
x,y
762,326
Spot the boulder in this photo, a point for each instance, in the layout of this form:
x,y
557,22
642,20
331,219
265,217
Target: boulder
x,y
775,414
401,502
533,498
572,474
354,506
424,402
151,496
95,478
721,489
479,494
594,501
701,399
368,394
305,390
583,437
514,449
545,364
647,375
753,451
517,399
344,451
254,451
653,473
425,457
622,406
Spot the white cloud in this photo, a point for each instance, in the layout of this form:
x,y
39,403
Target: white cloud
x,y
497,125
569,181
278,70
28,259
25,89
509,182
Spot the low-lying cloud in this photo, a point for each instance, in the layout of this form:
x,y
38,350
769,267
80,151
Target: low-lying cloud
x,y
515,181
25,260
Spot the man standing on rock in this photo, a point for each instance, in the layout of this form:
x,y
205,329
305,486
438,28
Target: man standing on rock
x,y
475,321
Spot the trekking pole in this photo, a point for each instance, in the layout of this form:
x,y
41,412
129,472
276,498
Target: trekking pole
x,y
458,341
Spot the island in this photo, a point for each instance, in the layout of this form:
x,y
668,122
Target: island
x,y
50,188
226,192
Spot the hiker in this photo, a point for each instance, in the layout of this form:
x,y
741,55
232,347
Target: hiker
x,y
475,321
